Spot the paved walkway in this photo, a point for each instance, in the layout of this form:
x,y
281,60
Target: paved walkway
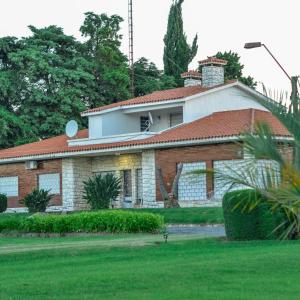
x,y
203,230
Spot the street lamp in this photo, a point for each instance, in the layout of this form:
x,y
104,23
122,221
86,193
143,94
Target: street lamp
x,y
258,45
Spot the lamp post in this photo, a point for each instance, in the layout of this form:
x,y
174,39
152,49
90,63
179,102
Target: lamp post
x,y
294,107
258,45
294,80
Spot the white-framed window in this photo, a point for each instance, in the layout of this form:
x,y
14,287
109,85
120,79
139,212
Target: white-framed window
x,y
144,123
50,182
9,186
176,119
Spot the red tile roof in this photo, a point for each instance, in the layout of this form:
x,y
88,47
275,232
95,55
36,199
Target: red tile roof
x,y
158,96
221,124
213,60
217,125
191,73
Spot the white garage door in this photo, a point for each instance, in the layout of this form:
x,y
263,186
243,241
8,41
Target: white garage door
x,y
192,187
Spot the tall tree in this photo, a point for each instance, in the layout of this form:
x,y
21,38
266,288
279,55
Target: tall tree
x,y
177,52
54,78
10,83
107,63
13,130
148,78
234,68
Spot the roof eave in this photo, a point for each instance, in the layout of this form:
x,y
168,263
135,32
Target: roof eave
x,y
118,149
113,150
136,106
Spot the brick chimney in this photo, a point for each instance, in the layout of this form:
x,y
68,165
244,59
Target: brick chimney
x,y
212,71
191,78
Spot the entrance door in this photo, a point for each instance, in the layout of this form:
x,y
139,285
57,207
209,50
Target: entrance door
x,y
127,188
139,187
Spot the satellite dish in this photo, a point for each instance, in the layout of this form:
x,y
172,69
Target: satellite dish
x,y
150,118
71,128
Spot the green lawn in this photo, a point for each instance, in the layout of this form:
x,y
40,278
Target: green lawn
x,y
193,215
141,267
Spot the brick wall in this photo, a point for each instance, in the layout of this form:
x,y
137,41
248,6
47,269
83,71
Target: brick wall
x,y
168,159
28,179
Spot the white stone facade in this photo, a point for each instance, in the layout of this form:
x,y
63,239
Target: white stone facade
x,y
149,179
191,82
192,187
212,76
78,170
238,168
74,172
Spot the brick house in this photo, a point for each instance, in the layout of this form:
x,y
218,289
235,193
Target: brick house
x,y
198,125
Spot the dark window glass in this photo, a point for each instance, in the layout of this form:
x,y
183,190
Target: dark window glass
x,y
144,123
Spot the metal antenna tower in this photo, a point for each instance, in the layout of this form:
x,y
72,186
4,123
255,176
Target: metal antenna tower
x,y
130,29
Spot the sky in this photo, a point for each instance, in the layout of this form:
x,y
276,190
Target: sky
x,y
220,25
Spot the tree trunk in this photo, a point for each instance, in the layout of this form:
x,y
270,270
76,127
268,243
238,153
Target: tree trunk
x,y
170,200
176,180
162,188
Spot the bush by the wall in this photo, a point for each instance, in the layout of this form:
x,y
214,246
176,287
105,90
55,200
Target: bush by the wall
x,y
3,203
101,221
37,200
101,191
242,223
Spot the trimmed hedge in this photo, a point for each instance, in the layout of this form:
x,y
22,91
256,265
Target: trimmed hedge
x,y
102,221
3,203
257,224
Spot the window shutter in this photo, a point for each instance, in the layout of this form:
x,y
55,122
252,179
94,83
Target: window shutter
x,y
50,182
9,186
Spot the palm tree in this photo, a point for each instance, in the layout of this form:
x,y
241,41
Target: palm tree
x,y
278,181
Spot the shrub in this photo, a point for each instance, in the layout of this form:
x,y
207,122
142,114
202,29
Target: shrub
x,y
269,221
101,221
37,201
242,223
239,224
101,191
3,203
11,222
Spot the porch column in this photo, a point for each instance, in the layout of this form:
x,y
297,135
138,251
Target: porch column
x,y
149,179
74,172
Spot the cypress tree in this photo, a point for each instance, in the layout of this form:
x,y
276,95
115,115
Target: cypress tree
x,y
177,52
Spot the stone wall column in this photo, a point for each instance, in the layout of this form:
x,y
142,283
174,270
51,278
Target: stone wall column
x,y
149,179
74,172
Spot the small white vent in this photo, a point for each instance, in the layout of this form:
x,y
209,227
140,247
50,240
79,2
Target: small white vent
x,y
31,165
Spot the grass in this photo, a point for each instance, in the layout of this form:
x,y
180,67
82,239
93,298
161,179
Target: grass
x,y
195,215
142,267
